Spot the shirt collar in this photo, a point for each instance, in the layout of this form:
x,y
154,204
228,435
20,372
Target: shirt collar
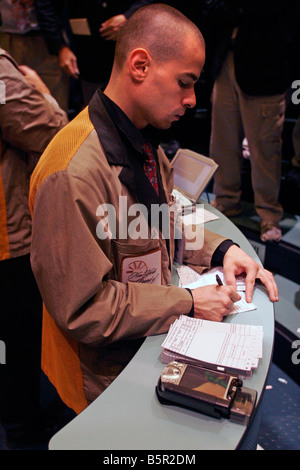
x,y
136,138
123,123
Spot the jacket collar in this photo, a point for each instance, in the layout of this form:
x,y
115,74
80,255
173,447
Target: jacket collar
x,y
107,131
112,126
123,145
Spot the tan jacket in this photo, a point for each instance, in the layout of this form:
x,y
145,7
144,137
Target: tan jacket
x,y
93,322
28,121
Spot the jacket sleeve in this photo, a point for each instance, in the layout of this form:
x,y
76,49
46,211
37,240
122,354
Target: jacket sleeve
x,y
51,24
28,120
201,245
74,272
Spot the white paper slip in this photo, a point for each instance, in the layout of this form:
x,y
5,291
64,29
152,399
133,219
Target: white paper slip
x,y
181,199
198,216
193,213
242,305
191,279
187,276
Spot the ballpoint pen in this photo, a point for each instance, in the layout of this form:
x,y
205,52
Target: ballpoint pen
x,y
218,279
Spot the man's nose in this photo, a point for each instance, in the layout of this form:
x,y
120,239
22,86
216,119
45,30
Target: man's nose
x,y
189,101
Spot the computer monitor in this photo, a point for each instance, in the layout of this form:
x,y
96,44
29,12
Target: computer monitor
x,y
192,173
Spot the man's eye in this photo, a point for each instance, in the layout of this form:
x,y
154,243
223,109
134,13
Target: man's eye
x,y
182,84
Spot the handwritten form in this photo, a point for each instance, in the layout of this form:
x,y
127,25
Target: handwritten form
x,y
191,279
233,346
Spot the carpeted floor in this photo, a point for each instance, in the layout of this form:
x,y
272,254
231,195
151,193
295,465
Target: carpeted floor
x,y
280,424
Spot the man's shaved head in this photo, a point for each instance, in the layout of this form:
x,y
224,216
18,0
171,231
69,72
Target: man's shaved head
x,y
158,59
158,28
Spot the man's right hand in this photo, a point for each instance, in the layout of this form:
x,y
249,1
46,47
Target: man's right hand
x,y
34,79
68,62
214,302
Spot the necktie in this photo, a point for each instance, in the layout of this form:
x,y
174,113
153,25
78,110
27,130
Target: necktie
x,y
150,167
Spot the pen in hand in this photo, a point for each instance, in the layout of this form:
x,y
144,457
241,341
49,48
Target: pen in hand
x,y
218,279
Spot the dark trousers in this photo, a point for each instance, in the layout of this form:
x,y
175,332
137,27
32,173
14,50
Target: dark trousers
x,y
20,330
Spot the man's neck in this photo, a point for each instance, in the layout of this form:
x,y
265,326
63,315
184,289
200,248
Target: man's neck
x,y
121,96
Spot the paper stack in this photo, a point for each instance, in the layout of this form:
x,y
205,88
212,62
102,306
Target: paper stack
x,y
227,347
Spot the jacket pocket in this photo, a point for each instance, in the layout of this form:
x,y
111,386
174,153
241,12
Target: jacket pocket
x,y
140,262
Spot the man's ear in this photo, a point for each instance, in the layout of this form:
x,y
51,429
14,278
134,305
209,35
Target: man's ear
x,y
139,62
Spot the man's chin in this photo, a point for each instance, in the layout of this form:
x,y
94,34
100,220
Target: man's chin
x,y
163,125
167,124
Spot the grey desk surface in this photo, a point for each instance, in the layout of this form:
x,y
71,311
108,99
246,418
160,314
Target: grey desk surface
x,y
128,415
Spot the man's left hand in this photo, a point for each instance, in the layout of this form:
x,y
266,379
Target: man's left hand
x,y
236,261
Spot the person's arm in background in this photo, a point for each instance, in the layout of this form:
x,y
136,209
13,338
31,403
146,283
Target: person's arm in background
x,y
28,119
50,18
110,28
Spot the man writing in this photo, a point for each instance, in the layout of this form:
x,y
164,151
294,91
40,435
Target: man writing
x,y
94,317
